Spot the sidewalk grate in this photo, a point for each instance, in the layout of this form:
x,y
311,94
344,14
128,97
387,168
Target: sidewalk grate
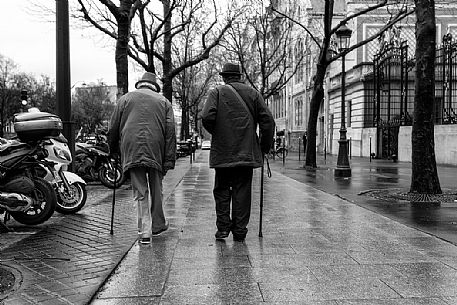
x,y
402,195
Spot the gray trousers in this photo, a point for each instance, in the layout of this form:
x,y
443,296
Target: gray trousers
x,y
147,193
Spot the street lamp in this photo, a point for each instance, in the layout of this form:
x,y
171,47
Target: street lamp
x,y
343,169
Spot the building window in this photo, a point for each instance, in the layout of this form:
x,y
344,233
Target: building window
x,y
299,112
349,113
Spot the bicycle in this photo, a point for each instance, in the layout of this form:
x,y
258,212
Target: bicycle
x,y
277,152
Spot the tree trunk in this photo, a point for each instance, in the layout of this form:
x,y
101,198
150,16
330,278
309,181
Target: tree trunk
x,y
184,123
424,178
316,100
122,63
167,62
2,117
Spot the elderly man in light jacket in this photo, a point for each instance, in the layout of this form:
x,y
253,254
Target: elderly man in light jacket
x,y
142,130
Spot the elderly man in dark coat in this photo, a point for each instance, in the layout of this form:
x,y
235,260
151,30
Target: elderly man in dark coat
x,y
231,114
142,129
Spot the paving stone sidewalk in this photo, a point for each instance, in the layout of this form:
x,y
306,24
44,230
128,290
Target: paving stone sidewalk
x,y
66,261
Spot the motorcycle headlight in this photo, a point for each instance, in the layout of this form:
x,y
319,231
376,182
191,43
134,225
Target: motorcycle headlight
x,y
62,154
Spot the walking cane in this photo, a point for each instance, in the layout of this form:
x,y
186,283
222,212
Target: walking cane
x,y
114,195
261,190
261,196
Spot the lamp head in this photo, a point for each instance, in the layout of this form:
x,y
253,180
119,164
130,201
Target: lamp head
x,y
343,35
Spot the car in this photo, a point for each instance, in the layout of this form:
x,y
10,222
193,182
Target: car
x,y
206,145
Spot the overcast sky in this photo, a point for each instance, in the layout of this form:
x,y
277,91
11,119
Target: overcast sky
x,y
30,42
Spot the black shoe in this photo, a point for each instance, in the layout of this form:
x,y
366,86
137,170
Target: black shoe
x,y
221,234
158,233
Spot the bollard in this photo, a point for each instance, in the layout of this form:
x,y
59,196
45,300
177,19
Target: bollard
x,y
325,148
284,151
299,144
189,144
370,148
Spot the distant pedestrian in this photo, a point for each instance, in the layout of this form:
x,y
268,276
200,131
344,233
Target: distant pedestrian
x,y
142,129
231,114
304,139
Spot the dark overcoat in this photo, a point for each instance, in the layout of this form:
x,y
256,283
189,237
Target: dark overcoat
x,y
233,127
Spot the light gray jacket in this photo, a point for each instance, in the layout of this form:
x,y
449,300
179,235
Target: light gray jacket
x,y
142,129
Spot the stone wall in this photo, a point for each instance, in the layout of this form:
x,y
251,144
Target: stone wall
x,y
445,144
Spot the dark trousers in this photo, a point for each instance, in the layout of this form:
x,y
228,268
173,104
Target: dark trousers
x,y
233,185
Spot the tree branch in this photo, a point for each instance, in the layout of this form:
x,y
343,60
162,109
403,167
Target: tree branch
x,y
386,27
359,13
205,53
111,7
299,24
88,18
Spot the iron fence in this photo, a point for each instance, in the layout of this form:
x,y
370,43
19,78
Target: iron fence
x,y
446,82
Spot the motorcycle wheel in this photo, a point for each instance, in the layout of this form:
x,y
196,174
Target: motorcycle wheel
x,y
106,176
45,201
72,201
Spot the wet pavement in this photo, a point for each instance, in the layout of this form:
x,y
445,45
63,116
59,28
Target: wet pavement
x,y
373,177
66,259
322,244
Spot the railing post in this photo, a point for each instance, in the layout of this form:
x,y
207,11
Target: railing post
x,y
299,144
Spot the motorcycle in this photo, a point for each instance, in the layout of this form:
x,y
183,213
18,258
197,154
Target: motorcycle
x,y
24,195
93,162
70,188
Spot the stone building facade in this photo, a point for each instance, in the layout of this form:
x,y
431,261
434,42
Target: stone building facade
x,y
366,129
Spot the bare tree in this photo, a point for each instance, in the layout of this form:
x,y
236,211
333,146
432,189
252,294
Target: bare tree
x,y
9,91
114,21
424,178
191,88
91,107
196,24
261,42
325,58
43,94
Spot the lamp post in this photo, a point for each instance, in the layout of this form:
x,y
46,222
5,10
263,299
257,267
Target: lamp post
x,y
343,169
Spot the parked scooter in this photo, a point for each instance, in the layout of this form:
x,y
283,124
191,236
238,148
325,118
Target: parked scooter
x,y
28,198
93,162
70,188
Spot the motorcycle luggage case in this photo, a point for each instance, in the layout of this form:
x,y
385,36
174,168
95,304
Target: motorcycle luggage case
x,y
33,126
